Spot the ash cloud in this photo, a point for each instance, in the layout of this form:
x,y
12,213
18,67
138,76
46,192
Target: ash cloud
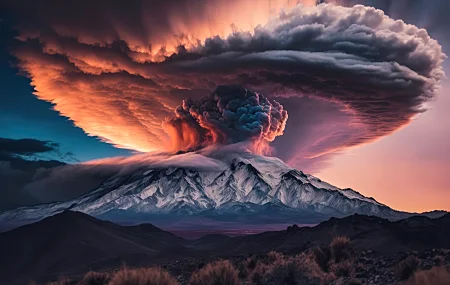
x,y
358,70
231,114
431,16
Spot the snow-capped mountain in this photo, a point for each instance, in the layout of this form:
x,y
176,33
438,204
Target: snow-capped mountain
x,y
248,186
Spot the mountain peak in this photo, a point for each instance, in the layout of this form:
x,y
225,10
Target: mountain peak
x,y
251,183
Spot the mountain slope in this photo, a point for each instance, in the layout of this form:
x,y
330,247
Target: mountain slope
x,y
248,184
366,232
71,243
76,241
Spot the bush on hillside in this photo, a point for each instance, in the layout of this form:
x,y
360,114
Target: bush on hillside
x,y
322,256
340,248
434,276
95,278
407,267
142,276
288,272
300,269
344,269
273,257
219,273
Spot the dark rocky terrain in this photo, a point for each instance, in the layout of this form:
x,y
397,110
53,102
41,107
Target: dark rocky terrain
x,y
72,243
369,267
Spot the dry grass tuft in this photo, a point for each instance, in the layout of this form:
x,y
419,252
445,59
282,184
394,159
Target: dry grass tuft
x,y
407,267
312,269
340,248
288,272
95,278
273,257
344,269
336,252
219,273
250,263
142,276
322,256
301,269
434,276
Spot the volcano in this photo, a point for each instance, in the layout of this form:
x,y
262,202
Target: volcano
x,y
249,189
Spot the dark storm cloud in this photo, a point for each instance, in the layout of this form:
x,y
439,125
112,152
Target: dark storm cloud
x,y
20,159
26,147
21,151
119,77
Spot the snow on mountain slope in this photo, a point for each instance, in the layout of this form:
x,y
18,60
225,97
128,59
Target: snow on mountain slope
x,y
248,182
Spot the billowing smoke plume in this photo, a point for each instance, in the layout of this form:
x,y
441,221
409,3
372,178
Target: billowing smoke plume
x,y
229,115
345,75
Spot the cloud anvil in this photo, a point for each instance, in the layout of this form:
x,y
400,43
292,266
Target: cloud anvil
x,y
377,70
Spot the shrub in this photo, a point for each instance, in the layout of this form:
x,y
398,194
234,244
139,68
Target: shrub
x,y
434,276
322,256
95,278
269,258
256,276
142,276
407,267
242,269
301,269
344,269
246,267
258,267
288,272
312,269
340,248
250,263
218,273
273,257
338,251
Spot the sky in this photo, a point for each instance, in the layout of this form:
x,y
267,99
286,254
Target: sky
x,y
22,115
406,170
346,93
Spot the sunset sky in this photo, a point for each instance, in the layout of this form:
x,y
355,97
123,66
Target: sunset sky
x,y
353,95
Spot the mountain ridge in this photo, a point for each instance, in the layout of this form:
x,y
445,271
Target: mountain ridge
x,y
261,189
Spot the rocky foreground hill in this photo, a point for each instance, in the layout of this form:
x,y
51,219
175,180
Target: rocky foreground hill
x,y
72,243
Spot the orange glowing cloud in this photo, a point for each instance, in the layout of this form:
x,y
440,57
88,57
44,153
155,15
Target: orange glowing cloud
x,y
119,74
